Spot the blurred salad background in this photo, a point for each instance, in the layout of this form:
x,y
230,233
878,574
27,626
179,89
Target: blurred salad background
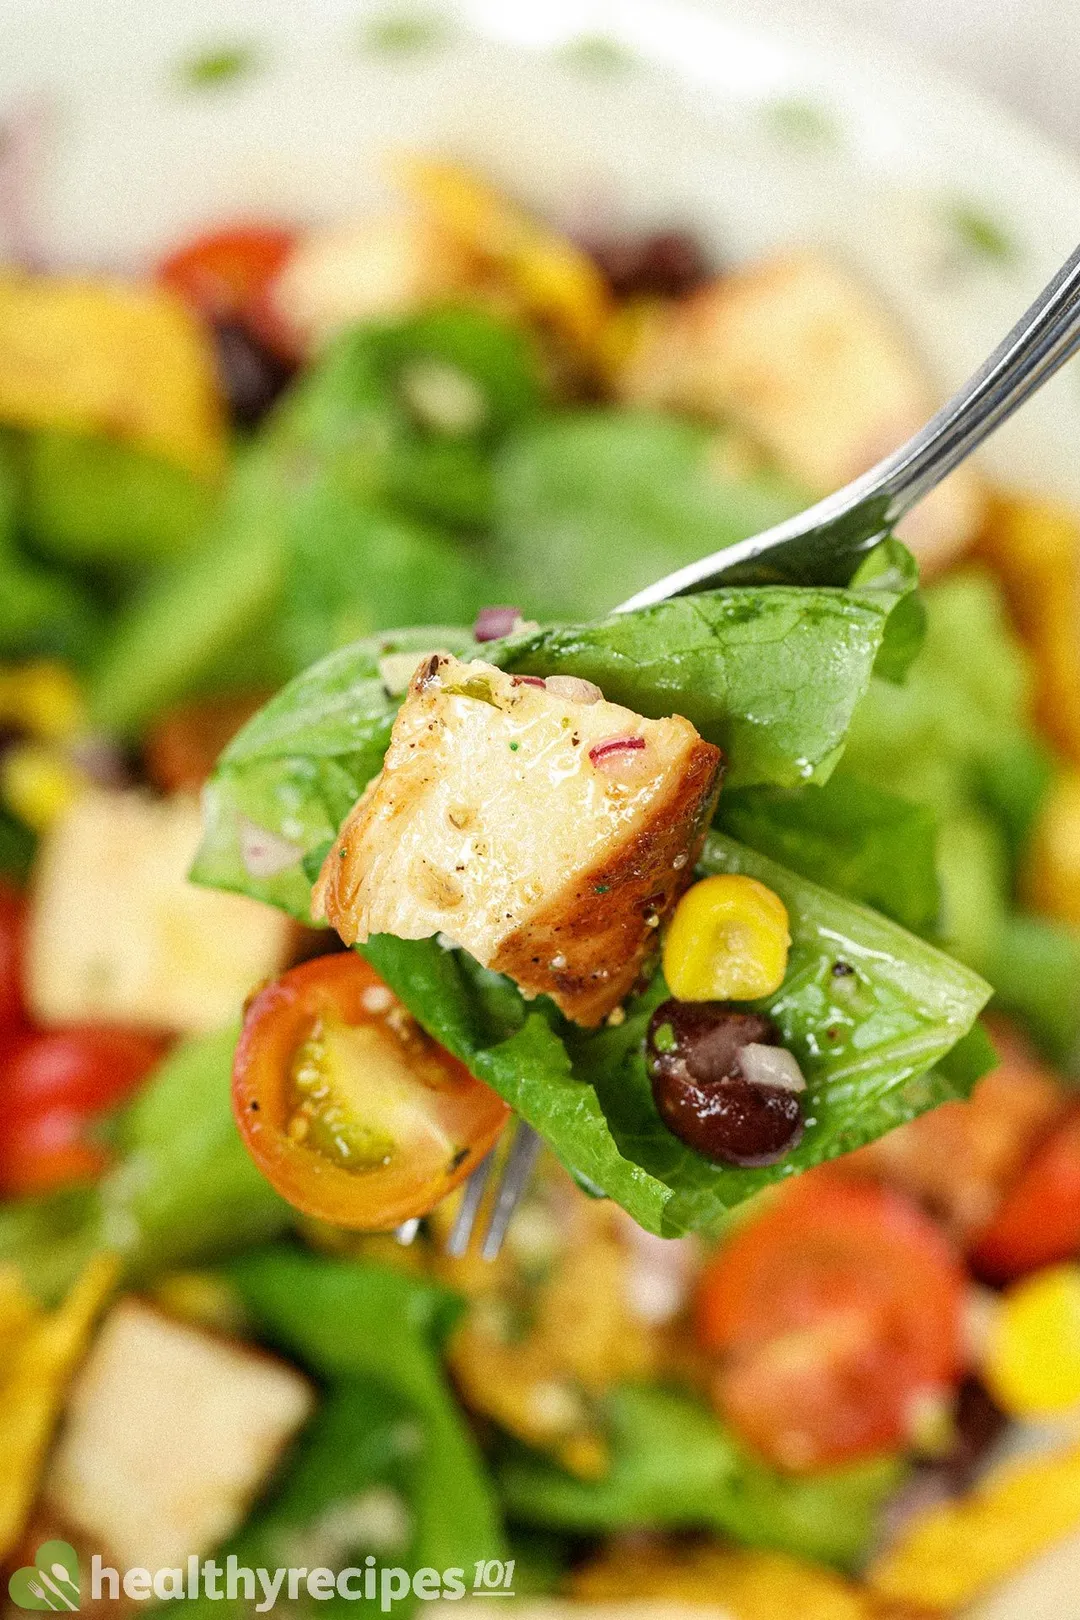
x,y
281,438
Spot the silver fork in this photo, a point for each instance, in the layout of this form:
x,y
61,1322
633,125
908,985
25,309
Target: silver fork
x,y
823,546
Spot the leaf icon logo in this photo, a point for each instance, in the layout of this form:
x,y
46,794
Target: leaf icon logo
x,y
50,1582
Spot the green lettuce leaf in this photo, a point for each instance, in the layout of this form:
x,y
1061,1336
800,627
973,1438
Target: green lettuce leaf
x,y
770,675
868,1010
674,1467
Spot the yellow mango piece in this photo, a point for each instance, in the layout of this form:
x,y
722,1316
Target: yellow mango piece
x,y
553,278
1033,1356
958,1549
728,941
1034,548
1051,881
110,357
36,1364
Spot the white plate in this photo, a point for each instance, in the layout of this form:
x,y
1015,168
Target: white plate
x,y
713,115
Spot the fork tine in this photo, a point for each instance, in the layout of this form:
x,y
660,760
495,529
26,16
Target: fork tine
x,y
515,1176
465,1219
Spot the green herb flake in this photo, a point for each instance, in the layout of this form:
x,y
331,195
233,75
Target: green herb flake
x,y
222,65
598,55
802,122
980,235
477,687
664,1039
601,888
514,747
406,33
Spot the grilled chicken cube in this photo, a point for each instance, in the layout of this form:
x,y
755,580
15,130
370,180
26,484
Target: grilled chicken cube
x,y
541,828
170,1432
800,355
118,934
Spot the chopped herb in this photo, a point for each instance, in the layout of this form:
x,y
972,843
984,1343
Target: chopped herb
x,y
406,33
664,1038
601,888
981,235
476,686
597,54
802,122
219,66
514,747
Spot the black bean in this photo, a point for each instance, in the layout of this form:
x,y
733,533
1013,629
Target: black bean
x,y
667,264
251,375
693,1053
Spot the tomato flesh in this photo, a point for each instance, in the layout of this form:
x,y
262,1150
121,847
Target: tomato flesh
x,y
52,1085
226,275
834,1315
348,1108
12,924
1038,1222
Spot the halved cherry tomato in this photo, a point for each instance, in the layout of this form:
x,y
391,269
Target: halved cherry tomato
x,y
84,1067
226,275
1038,1222
53,1084
40,1152
12,923
837,1316
347,1107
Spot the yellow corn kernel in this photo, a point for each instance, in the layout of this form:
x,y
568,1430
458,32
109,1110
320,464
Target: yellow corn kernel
x,y
728,941
1052,880
42,698
37,784
1033,1355
553,277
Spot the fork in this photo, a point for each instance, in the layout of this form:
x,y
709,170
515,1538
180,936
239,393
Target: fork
x,y
823,546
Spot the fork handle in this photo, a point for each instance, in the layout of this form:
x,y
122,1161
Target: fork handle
x,y
824,544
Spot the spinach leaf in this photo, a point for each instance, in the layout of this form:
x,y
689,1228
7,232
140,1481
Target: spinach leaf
x,y
343,515
596,504
351,1321
92,499
848,836
867,1009
674,1467
770,674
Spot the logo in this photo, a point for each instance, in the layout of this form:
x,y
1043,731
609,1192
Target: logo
x,y
50,1582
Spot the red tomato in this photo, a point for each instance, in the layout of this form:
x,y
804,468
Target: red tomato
x,y
39,1152
347,1107
833,1313
12,923
227,275
85,1068
1038,1222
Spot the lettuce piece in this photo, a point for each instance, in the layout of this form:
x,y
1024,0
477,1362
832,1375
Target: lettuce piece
x,y
868,1010
850,837
674,1467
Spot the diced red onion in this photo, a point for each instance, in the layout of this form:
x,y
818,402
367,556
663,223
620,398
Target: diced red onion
x,y
263,853
494,622
573,689
775,1066
614,746
527,680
